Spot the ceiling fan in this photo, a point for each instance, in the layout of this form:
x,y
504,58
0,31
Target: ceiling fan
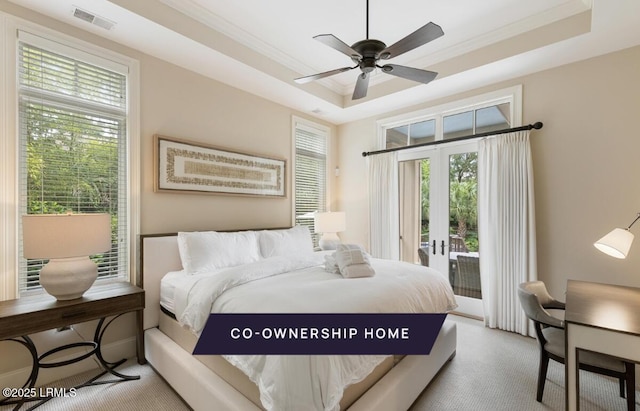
x,y
366,54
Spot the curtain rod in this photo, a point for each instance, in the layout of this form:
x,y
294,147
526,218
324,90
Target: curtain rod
x,y
536,125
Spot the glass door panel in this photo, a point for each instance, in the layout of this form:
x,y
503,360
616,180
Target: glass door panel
x,y
463,250
425,248
464,271
439,218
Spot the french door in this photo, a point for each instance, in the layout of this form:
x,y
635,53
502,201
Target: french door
x,y
438,216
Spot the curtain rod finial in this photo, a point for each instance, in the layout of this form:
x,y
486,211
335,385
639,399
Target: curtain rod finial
x,y
537,125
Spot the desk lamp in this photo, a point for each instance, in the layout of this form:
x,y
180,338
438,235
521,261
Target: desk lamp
x,y
618,242
329,224
67,241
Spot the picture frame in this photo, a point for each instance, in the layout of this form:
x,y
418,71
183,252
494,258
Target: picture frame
x,y
193,167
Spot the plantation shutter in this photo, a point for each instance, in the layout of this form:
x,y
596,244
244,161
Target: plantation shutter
x,y
73,145
310,173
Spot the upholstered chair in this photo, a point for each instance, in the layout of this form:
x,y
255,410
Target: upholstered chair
x,y
536,300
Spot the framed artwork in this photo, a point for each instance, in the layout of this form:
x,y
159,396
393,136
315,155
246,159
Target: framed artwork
x,y
188,166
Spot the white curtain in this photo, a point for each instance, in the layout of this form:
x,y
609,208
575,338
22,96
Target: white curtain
x,y
506,227
384,229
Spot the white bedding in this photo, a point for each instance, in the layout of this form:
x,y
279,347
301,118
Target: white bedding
x,y
171,282
301,285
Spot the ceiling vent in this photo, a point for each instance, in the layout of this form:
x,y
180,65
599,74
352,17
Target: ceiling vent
x,y
93,19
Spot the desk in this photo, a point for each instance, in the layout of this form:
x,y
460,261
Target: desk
x,y
28,315
602,318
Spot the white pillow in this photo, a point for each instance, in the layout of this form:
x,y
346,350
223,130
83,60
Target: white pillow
x,y
211,250
295,240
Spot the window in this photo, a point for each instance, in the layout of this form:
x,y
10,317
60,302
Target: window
x,y
74,145
494,111
491,118
310,173
411,134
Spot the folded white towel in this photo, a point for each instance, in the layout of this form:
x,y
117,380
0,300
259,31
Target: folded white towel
x,y
357,271
352,261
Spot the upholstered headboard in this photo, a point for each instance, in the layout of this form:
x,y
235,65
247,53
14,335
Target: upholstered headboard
x,y
159,255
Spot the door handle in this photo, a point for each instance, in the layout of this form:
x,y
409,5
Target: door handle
x,y
434,247
442,247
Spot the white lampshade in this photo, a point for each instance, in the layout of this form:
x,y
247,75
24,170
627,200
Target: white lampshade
x,y
66,240
65,235
330,222
616,244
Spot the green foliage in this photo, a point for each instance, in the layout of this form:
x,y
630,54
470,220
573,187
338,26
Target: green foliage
x,y
463,197
463,192
425,180
69,167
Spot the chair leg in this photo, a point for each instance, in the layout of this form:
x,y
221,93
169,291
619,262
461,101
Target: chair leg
x,y
630,371
542,374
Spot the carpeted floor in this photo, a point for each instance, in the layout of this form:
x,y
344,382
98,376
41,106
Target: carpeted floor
x,y
497,370
492,370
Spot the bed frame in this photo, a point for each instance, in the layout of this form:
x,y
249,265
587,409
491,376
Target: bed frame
x,y
202,389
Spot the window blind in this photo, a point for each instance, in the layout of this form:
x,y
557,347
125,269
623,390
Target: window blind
x,y
73,149
310,173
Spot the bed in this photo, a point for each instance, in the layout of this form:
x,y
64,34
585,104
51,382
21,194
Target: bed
x,y
211,382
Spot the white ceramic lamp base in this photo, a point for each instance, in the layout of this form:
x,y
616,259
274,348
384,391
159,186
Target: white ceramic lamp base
x,y
68,278
329,241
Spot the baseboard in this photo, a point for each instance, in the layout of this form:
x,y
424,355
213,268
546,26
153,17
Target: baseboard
x,y
114,351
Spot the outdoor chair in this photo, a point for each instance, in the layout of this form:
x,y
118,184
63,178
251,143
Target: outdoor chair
x,y
467,278
457,245
535,301
423,253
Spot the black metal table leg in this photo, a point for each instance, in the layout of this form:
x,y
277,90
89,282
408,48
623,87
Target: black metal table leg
x,y
95,349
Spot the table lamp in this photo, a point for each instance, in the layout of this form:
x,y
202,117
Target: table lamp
x,y
329,224
67,241
618,242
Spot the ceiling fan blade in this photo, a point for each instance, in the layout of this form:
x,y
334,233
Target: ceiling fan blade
x,y
361,86
423,35
410,73
307,79
335,43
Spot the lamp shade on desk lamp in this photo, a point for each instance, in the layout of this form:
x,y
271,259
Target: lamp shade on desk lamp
x,y
67,241
618,242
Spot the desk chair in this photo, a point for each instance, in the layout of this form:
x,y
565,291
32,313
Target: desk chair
x,y
535,300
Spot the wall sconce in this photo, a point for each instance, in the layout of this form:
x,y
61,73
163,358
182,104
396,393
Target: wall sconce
x,y
329,224
67,241
618,242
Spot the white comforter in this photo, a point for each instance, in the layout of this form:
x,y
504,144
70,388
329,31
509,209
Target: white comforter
x,y
301,285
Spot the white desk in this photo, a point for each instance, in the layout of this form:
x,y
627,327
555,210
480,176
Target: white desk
x,y
602,318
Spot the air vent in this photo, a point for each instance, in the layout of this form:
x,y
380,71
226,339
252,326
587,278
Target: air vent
x,y
93,19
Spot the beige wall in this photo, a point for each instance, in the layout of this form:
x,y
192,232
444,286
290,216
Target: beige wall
x,y
586,161
179,103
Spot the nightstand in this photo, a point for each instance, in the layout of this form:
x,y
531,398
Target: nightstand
x,y
24,316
